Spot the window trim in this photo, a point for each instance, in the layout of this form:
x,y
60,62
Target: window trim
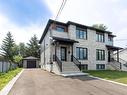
x,y
59,26
84,53
99,52
100,37
110,39
84,66
101,65
81,29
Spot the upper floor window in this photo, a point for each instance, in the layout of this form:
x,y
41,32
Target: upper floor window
x,y
100,54
81,53
60,29
110,38
81,33
100,37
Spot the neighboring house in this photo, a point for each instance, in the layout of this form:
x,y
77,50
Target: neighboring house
x,y
123,54
30,62
65,45
122,58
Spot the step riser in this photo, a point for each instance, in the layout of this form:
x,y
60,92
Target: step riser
x,y
69,67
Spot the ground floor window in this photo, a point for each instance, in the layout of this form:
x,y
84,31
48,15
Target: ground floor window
x,y
84,66
100,54
100,66
81,53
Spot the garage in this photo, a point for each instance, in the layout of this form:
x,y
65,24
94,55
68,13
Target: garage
x,y
30,62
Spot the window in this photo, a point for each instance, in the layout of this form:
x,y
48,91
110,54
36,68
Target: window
x,y
100,66
81,53
84,66
60,29
81,33
99,37
110,38
100,54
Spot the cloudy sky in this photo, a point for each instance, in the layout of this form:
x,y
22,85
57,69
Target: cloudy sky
x,y
23,18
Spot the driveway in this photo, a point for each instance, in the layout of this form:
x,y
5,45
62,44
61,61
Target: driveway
x,y
39,82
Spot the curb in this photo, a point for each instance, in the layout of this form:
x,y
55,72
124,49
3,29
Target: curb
x,y
109,81
8,87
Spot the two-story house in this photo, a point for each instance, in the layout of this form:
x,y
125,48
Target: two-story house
x,y
71,47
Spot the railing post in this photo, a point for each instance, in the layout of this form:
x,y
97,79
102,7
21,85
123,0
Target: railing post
x,y
120,66
61,67
71,58
80,66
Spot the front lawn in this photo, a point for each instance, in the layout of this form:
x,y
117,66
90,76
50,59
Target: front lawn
x,y
6,77
118,76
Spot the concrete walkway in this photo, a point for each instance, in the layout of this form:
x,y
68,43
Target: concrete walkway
x,y
39,82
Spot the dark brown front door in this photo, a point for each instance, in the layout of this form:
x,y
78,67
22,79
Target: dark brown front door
x,y
63,54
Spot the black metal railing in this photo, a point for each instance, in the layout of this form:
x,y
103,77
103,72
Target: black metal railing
x,y
59,63
117,65
76,62
122,62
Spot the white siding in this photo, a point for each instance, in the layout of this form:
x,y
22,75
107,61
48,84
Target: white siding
x,y
47,51
123,54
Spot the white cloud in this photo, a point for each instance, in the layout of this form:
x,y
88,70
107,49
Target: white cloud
x,y
109,12
20,34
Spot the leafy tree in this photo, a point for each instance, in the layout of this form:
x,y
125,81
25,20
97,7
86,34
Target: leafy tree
x,y
100,26
17,58
33,47
7,47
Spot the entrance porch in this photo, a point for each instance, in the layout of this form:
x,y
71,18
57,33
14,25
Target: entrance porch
x,y
63,56
113,59
63,48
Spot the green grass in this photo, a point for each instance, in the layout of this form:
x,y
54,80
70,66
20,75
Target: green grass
x,y
6,77
118,76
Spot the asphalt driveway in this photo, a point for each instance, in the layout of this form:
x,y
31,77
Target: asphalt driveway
x,y
39,82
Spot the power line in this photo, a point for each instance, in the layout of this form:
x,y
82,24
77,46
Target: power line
x,y
60,9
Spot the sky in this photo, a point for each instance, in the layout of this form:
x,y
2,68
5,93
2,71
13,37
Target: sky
x,y
24,18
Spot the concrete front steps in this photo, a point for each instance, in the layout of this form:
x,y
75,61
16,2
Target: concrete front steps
x,y
74,74
70,69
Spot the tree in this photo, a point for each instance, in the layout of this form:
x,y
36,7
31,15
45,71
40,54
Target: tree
x,y
17,58
22,49
15,50
33,47
7,47
100,26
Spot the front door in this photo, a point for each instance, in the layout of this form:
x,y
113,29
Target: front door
x,y
63,53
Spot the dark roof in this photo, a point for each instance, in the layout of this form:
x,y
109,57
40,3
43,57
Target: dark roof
x,y
113,47
64,40
73,23
89,27
112,35
30,57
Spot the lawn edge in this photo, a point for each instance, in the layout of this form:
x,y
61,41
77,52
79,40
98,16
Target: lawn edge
x,y
8,87
122,84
